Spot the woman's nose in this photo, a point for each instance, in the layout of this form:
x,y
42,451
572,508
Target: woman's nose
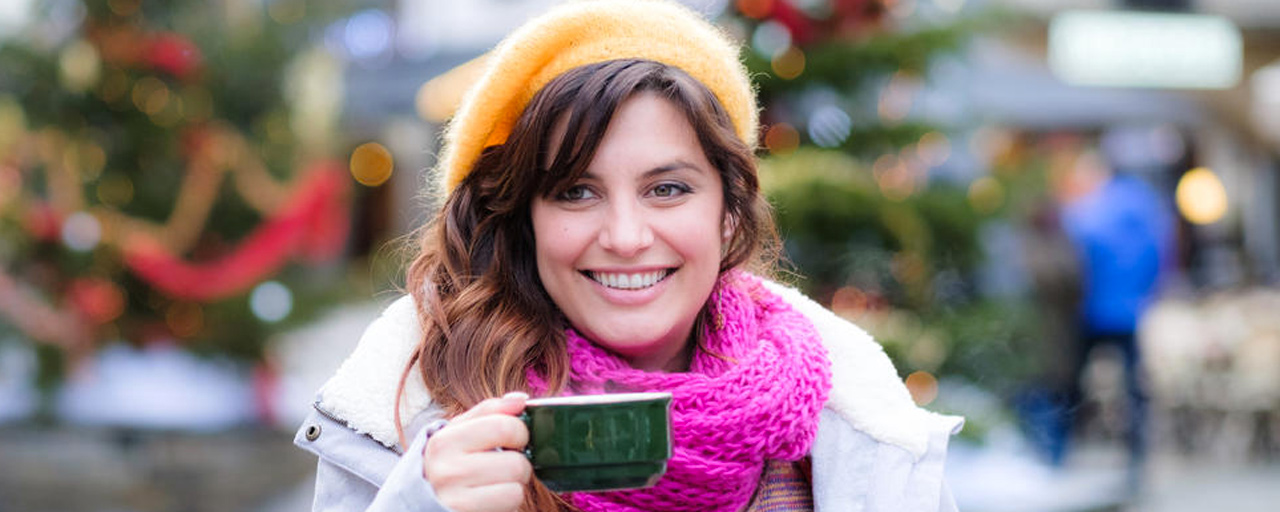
x,y
626,231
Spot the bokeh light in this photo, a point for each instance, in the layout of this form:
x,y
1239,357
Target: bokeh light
x,y
788,64
150,95
371,164
79,66
81,232
897,97
934,149
14,15
986,195
781,139
99,300
771,38
271,301
368,34
757,9
991,143
923,387
849,302
1201,197
830,126
172,113
897,179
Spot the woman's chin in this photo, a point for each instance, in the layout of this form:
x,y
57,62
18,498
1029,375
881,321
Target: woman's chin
x,y
643,349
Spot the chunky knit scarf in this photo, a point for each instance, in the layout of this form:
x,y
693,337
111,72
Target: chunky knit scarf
x,y
752,395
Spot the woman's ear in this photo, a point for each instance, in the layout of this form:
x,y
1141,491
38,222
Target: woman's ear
x,y
726,231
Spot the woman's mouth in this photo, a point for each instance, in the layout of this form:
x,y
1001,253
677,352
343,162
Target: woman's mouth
x,y
629,281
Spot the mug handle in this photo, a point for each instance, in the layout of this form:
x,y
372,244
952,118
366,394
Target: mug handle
x,y
528,425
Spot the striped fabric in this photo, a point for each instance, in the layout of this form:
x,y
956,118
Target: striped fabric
x,y
784,487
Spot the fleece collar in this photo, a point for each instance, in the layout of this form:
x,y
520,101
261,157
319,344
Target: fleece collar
x,y
866,391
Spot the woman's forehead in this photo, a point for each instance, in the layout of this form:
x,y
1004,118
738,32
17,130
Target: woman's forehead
x,y
646,131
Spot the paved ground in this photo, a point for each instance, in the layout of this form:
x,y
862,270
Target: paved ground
x,y
1181,485
989,480
160,472
79,469
998,478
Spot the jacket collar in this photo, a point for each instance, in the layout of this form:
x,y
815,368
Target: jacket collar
x,y
866,391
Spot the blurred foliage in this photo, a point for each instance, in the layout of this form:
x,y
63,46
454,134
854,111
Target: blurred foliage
x,y
910,261
850,64
131,87
868,230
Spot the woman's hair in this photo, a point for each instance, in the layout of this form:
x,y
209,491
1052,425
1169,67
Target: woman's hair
x,y
485,315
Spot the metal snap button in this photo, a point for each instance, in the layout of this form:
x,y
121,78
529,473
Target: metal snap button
x,y
313,432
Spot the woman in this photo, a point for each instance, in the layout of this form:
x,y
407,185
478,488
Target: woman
x,y
602,211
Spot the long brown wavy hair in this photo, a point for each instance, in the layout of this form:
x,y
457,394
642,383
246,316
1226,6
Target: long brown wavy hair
x,y
485,315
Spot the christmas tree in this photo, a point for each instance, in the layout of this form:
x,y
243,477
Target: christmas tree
x,y
162,166
870,228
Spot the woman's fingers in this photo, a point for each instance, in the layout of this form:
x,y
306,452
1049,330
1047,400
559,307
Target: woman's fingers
x,y
502,497
509,404
481,434
482,469
466,465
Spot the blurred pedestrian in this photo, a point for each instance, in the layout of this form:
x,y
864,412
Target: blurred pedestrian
x,y
1054,273
602,213
1122,230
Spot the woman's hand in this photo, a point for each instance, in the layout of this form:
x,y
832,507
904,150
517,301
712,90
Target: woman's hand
x,y
464,463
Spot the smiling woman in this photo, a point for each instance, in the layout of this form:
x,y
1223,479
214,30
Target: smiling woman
x,y
604,232
630,251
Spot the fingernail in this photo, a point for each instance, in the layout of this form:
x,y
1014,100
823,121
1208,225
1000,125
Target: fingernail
x,y
516,394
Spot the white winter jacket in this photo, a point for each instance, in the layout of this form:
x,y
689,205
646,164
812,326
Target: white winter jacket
x,y
875,451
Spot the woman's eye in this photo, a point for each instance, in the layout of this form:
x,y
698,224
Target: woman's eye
x,y
669,190
576,193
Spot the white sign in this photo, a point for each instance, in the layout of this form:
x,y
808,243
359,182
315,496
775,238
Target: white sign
x,y
1266,100
1139,49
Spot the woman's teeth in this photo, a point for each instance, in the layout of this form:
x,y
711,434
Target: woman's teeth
x,y
628,281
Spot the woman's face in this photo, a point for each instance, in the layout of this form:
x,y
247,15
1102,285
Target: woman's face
x,y
631,252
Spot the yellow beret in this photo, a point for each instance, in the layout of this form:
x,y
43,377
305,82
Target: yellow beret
x,y
580,33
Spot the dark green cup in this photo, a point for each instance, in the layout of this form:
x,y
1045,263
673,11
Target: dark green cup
x,y
599,442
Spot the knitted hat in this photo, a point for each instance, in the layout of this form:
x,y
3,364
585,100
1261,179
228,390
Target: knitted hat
x,y
580,33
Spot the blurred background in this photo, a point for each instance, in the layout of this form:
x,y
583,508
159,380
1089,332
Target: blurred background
x,y
1059,217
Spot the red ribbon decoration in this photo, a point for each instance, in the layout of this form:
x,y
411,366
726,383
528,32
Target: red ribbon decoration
x,y
313,224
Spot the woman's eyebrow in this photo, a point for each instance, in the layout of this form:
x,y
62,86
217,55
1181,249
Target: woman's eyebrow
x,y
669,167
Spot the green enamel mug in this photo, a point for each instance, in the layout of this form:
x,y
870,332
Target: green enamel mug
x,y
599,442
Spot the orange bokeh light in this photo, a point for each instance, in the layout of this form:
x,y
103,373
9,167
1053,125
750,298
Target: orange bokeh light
x,y
923,387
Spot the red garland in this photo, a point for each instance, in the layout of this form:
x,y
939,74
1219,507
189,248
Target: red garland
x,y
174,54
847,16
796,21
313,223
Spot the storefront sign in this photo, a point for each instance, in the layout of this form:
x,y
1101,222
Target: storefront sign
x,y
1143,49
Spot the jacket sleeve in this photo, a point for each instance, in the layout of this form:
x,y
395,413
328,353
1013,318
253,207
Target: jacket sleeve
x,y
948,502
356,473
852,471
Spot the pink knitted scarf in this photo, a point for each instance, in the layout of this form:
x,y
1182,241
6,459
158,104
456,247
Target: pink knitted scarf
x,y
758,401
